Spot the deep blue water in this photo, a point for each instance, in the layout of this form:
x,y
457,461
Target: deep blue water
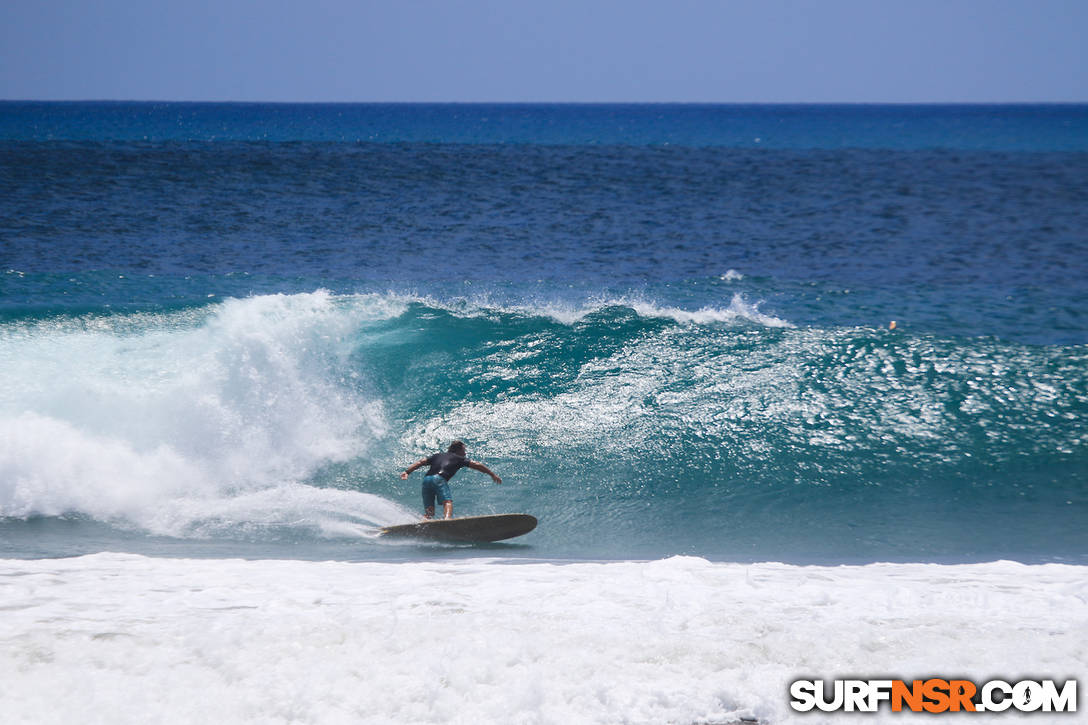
x,y
1042,127
665,326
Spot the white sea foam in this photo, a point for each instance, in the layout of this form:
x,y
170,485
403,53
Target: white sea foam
x,y
739,310
124,639
169,421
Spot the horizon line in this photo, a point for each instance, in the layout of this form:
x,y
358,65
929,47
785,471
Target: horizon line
x,y
550,103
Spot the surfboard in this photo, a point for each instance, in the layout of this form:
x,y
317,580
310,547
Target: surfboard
x,y
467,529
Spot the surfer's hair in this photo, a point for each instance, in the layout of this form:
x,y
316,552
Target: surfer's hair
x,y
457,447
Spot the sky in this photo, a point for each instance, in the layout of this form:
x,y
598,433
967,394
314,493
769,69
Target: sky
x,y
700,51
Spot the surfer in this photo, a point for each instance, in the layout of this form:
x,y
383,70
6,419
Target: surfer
x,y
436,484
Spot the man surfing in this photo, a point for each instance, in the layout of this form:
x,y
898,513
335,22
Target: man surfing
x,y
436,484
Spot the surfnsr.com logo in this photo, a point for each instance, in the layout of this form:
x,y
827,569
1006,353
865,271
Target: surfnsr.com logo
x,y
933,695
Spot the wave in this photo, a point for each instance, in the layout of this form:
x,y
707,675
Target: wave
x,y
170,419
291,413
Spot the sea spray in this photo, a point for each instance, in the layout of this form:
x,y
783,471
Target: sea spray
x,y
140,418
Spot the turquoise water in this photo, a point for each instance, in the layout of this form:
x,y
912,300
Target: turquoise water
x,y
224,329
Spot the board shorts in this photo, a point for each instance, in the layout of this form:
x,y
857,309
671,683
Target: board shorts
x,y
435,486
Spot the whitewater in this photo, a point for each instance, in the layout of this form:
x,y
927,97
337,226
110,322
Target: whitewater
x,y
112,638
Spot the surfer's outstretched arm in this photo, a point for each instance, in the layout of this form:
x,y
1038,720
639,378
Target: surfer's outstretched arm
x,y
418,464
476,466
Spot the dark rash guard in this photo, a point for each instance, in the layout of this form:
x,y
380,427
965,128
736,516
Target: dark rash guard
x,y
445,464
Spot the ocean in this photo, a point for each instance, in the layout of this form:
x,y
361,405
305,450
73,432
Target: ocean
x,y
794,391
